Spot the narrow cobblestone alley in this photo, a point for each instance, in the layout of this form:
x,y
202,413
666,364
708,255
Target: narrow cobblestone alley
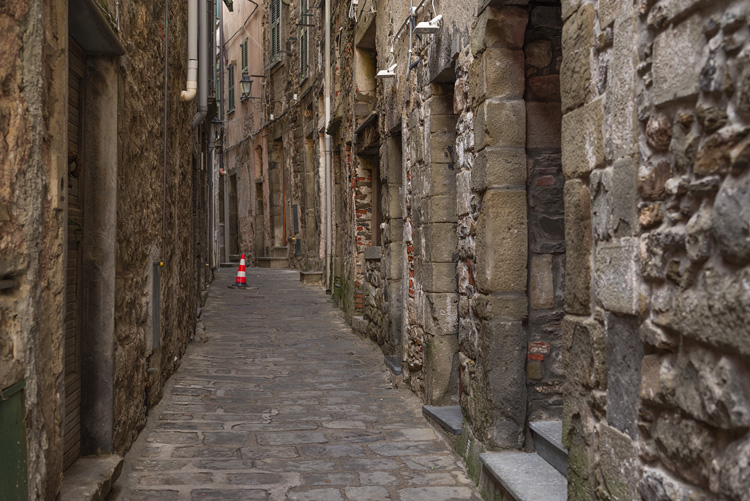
x,y
285,402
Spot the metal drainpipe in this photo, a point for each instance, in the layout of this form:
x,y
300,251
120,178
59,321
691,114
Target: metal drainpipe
x,y
192,67
202,63
215,240
327,105
166,118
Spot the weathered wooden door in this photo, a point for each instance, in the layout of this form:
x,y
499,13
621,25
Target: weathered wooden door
x,y
73,278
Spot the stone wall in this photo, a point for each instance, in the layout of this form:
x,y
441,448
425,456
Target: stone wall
x,y
123,168
655,148
544,187
33,71
139,223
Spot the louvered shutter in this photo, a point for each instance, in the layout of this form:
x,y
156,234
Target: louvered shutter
x,y
303,40
230,72
275,30
243,46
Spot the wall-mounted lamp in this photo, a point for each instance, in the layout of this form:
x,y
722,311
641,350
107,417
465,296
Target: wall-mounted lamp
x,y
390,72
428,27
246,86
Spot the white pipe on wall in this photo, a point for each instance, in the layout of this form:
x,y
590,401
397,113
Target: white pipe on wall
x,y
327,108
202,63
192,66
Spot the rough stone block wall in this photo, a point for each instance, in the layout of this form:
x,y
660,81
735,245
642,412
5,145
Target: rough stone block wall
x,y
139,221
33,170
375,310
546,260
655,156
493,231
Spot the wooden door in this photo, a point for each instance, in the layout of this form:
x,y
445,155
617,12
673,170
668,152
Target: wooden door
x,y
73,279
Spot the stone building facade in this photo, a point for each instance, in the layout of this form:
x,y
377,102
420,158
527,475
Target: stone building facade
x,y
97,221
655,136
542,215
270,144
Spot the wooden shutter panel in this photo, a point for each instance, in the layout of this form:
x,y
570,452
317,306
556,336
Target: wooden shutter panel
x,y
244,56
231,87
275,29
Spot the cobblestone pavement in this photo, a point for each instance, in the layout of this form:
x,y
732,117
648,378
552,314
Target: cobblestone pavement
x,y
285,402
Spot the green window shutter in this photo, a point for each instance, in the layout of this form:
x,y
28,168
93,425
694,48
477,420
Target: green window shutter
x,y
243,46
275,30
230,105
303,40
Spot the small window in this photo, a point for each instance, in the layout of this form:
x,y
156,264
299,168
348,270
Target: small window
x,y
275,30
230,104
243,47
304,43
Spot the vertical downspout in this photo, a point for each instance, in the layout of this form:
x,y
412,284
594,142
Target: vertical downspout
x,y
202,63
211,148
327,108
221,127
166,118
192,67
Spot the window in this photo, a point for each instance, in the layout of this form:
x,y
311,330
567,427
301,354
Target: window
x,y
275,30
243,47
230,97
303,39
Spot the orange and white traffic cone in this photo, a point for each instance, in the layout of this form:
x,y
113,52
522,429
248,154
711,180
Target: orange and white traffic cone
x,y
241,281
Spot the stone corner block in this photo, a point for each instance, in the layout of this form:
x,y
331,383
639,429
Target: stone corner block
x,y
618,285
575,71
500,306
582,140
498,167
502,242
500,123
578,243
439,277
498,72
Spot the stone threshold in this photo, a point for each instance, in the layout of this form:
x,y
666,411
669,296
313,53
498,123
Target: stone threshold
x,y
311,277
548,444
90,478
449,417
394,365
524,476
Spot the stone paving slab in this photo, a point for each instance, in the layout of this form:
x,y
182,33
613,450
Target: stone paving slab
x,y
284,402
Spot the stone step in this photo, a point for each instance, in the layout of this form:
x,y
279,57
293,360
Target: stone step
x,y
522,476
280,252
311,277
230,265
91,477
449,417
394,365
548,443
274,263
